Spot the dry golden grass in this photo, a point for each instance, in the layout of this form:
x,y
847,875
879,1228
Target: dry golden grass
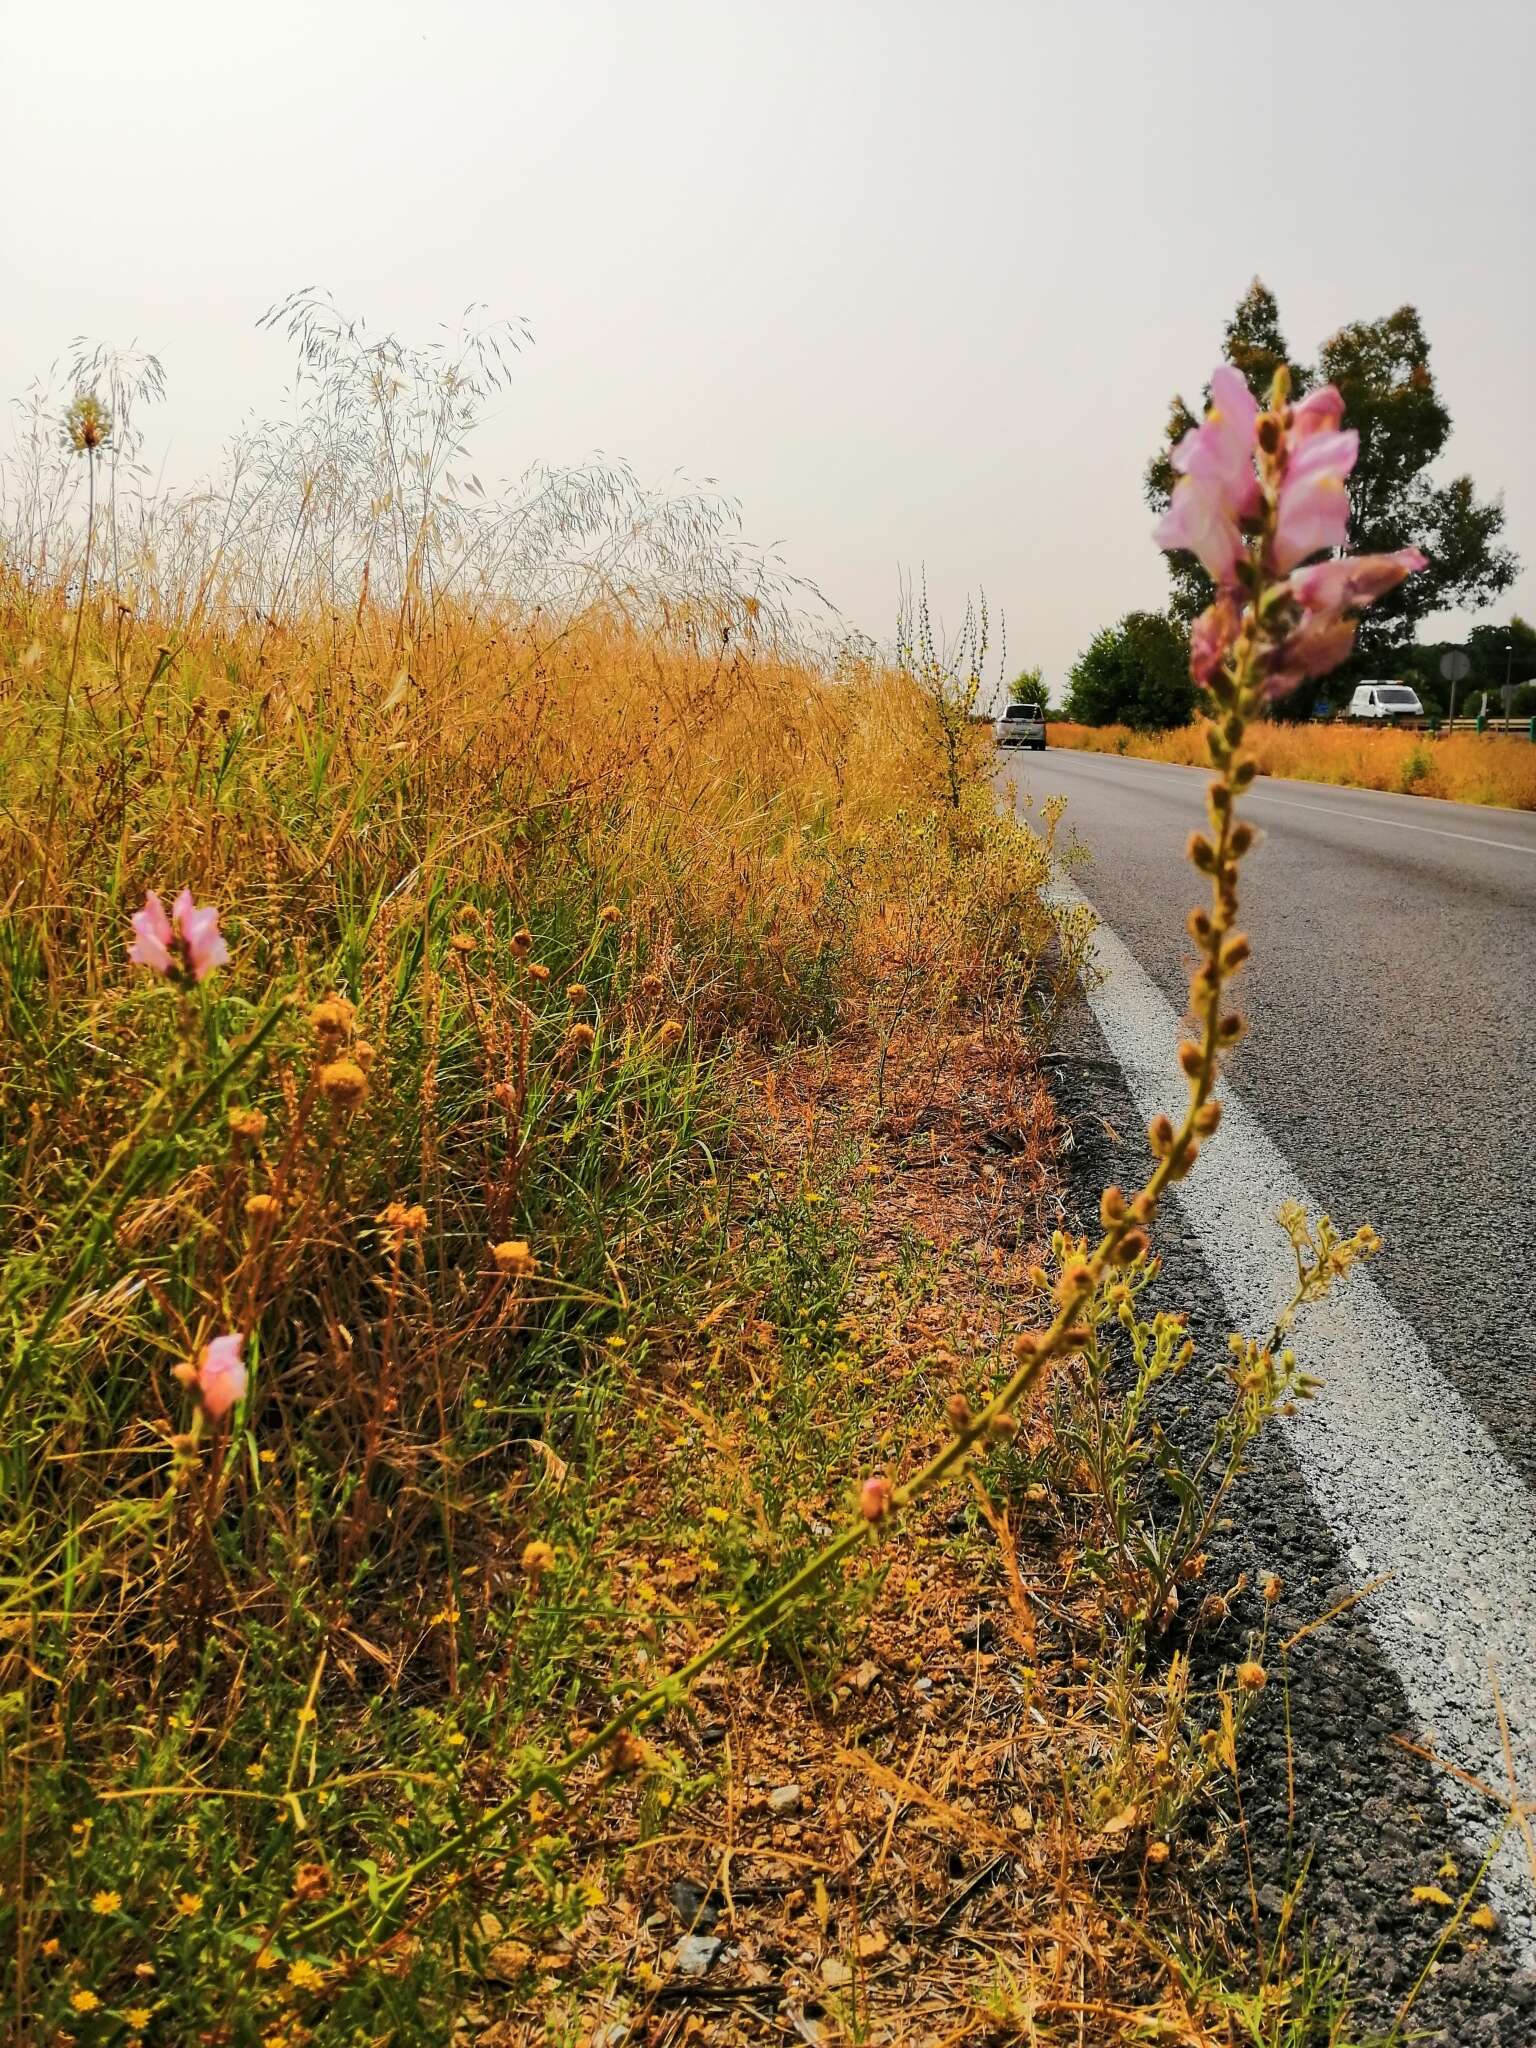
x,y
1468,768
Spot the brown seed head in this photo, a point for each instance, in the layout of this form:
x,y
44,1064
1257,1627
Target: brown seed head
x,y
581,1037
1111,1207
1241,839
670,1035
331,1019
1160,1135
247,1123
626,1753
958,1409
1131,1247
577,992
1270,1586
262,1211
343,1084
535,970
522,942
363,1053
609,914
464,942
410,1219
1207,1117
1025,1345
513,1255
1252,1677
1191,1058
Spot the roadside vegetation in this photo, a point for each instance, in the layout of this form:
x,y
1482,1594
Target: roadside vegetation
x,y
1468,768
527,1204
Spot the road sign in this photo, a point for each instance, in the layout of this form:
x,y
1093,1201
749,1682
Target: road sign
x,y
1455,666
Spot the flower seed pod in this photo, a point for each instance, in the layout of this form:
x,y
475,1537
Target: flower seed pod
x,y
1241,839
581,1037
464,942
958,1409
1160,1135
1235,951
670,1035
1111,1207
1191,1058
363,1053
514,1256
576,993
343,1084
1252,1677
1131,1247
535,971
609,914
247,1123
522,942
1201,852
262,1211
1207,1117
1025,1345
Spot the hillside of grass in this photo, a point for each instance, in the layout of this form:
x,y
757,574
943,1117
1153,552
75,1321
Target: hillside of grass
x,y
1467,768
606,1148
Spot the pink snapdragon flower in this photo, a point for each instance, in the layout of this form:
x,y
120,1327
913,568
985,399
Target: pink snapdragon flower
x,y
1312,507
1218,486
219,1374
1211,638
1352,581
186,942
1326,593
1320,412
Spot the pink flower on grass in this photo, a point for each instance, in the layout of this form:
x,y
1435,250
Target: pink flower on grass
x,y
1218,486
219,1374
1312,509
186,942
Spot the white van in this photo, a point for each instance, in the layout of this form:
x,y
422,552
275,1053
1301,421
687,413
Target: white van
x,y
1384,700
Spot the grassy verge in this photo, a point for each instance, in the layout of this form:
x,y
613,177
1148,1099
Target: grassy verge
x,y
1468,768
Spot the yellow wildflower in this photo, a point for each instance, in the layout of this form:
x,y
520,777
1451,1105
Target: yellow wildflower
x,y
106,1902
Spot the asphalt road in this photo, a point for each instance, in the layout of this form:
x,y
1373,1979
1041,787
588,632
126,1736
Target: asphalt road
x,y
1389,1076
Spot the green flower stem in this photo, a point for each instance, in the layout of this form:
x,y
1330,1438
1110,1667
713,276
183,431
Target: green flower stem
x,y
140,1168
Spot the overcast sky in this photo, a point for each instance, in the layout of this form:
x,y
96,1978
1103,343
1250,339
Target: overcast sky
x,y
914,281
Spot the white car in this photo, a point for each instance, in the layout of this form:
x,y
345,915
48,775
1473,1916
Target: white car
x,y
1384,700
1022,725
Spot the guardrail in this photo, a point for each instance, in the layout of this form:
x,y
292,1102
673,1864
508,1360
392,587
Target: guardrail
x,y
1516,728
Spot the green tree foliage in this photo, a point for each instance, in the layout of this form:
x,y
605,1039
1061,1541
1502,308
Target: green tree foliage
x,y
1391,399
1027,687
1136,674
1497,654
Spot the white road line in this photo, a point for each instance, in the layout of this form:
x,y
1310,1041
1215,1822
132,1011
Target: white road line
x,y
1265,796
1409,1480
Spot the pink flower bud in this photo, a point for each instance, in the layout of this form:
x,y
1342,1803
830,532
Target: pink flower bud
x,y
875,1498
220,1375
